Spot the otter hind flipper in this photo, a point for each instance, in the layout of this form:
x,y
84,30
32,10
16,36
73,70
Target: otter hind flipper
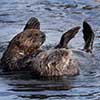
x,y
88,36
33,23
67,36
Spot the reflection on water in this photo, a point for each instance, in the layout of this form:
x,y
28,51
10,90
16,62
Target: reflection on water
x,y
56,17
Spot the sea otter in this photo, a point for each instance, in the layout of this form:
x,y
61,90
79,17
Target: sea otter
x,y
60,60
23,44
57,61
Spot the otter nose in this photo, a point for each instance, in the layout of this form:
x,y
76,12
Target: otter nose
x,y
43,36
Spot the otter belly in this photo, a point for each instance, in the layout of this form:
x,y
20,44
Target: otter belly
x,y
55,62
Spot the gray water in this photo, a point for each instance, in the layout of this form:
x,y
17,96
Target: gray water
x,y
56,17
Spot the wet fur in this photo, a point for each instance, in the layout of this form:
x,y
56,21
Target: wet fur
x,y
24,52
22,45
56,62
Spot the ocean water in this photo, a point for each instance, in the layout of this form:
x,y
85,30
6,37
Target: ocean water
x,y
56,17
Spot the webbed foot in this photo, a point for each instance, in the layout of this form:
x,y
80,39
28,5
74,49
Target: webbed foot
x,y
33,23
67,36
88,36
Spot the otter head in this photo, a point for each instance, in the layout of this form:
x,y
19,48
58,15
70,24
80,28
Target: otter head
x,y
30,40
23,44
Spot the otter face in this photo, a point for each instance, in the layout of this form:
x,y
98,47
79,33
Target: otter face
x,y
24,44
30,40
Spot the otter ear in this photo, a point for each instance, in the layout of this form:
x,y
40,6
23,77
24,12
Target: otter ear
x,y
33,23
88,36
67,36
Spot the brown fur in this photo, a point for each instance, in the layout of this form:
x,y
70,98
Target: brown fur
x,y
23,44
24,52
56,62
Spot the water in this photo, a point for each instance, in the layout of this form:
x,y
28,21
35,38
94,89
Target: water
x,y
56,17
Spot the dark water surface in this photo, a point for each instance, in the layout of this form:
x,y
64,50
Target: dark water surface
x,y
56,16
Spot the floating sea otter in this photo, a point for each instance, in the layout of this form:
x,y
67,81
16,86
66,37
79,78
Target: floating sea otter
x,y
23,44
24,52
